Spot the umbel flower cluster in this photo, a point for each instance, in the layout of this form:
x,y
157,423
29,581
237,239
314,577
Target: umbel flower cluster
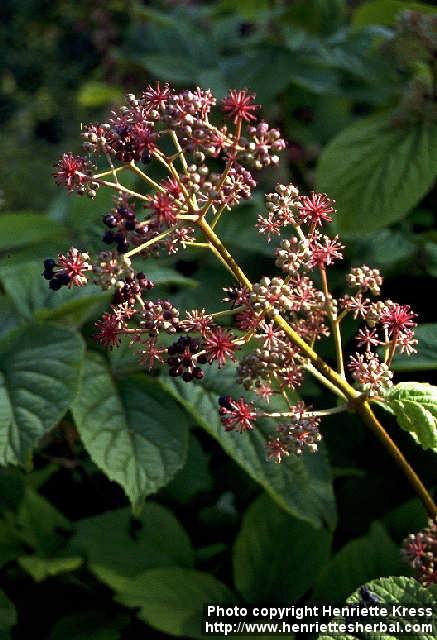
x,y
208,152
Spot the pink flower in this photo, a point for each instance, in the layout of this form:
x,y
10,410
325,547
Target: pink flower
x,y
236,415
239,105
156,98
220,345
367,338
397,317
324,251
73,172
315,209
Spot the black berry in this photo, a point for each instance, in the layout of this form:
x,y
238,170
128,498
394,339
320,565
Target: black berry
x,y
108,238
49,263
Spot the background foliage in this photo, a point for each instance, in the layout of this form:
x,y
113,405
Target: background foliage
x,y
354,94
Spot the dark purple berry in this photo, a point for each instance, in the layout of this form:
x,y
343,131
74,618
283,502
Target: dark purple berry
x,y
63,278
202,359
187,376
122,211
55,284
48,274
224,402
110,220
130,225
198,373
108,238
146,157
122,246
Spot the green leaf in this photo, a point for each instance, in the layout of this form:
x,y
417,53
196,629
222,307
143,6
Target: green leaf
x,y
415,407
194,477
426,356
275,572
41,568
409,516
8,315
172,599
95,94
116,545
385,11
377,172
40,367
398,591
362,559
10,546
8,616
301,484
22,229
132,429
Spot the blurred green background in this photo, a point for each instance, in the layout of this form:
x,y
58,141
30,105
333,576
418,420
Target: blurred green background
x,y
353,87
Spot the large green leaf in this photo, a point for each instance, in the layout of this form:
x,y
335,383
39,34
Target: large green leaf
x,y
133,430
362,559
377,172
194,477
396,591
115,544
23,229
415,407
40,367
96,94
426,356
302,485
266,572
172,599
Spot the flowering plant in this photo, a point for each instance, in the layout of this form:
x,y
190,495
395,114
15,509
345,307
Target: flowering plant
x,y
209,153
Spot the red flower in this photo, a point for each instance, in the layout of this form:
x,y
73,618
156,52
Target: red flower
x,y
72,172
237,415
165,208
239,105
156,98
219,345
315,209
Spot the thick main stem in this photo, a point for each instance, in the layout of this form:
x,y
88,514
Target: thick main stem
x,y
355,399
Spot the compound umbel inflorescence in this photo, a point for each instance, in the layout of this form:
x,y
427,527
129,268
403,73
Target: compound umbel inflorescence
x,y
209,152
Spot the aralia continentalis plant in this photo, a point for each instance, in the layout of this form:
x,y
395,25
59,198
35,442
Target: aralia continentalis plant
x,y
209,166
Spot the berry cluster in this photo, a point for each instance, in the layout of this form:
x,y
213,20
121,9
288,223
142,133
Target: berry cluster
x,y
280,319
420,551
